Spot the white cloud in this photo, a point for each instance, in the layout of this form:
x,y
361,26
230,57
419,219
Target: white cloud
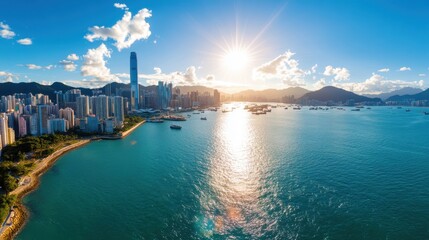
x,y
188,77
402,69
314,68
422,75
157,70
383,70
5,31
319,84
283,67
120,6
126,31
37,67
378,84
68,65
340,74
45,82
73,57
33,66
94,65
25,41
7,76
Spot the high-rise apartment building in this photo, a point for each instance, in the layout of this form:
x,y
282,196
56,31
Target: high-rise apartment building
x,y
42,117
68,114
4,129
119,110
82,106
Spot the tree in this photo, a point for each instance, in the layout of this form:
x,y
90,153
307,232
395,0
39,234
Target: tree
x,y
9,183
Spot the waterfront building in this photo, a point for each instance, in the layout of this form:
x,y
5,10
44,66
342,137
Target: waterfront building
x,y
67,114
57,125
216,96
3,129
194,99
102,107
10,136
22,126
91,124
134,82
82,106
164,94
43,116
109,125
119,111
34,124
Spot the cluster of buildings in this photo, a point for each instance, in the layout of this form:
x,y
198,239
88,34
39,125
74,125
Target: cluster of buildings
x,y
166,97
162,96
27,114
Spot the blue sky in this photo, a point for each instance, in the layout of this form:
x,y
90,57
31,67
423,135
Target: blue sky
x,y
366,46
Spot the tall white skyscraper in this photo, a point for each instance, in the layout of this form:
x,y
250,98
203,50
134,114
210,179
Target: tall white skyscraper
x,y
4,130
119,110
68,114
134,82
82,106
102,107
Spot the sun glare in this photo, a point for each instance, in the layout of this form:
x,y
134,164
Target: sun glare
x,y
236,59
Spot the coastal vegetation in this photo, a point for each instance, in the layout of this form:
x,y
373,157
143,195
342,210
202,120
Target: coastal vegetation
x,y
35,147
131,121
6,202
20,158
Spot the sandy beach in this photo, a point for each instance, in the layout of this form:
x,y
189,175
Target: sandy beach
x,y
30,182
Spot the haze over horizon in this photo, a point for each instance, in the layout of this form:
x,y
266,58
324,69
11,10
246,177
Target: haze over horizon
x,y
367,47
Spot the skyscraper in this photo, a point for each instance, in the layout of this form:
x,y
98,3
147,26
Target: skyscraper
x,y
119,110
102,107
134,82
43,116
3,129
82,106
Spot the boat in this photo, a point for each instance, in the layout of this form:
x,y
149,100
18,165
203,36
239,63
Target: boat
x,y
426,113
355,110
408,110
175,127
203,118
286,108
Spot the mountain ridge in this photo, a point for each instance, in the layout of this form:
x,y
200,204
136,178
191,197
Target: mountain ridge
x,y
330,94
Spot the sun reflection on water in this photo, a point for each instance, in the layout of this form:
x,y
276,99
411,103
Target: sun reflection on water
x,y
236,201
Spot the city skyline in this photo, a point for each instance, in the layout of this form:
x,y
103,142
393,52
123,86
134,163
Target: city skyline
x,y
362,46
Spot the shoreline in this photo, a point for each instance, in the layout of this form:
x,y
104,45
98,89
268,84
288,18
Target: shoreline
x,y
19,213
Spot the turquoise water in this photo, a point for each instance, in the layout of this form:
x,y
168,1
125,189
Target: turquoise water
x,y
285,175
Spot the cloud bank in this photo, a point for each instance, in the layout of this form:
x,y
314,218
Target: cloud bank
x,y
126,31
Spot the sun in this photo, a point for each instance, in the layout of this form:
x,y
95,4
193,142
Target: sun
x,y
236,59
